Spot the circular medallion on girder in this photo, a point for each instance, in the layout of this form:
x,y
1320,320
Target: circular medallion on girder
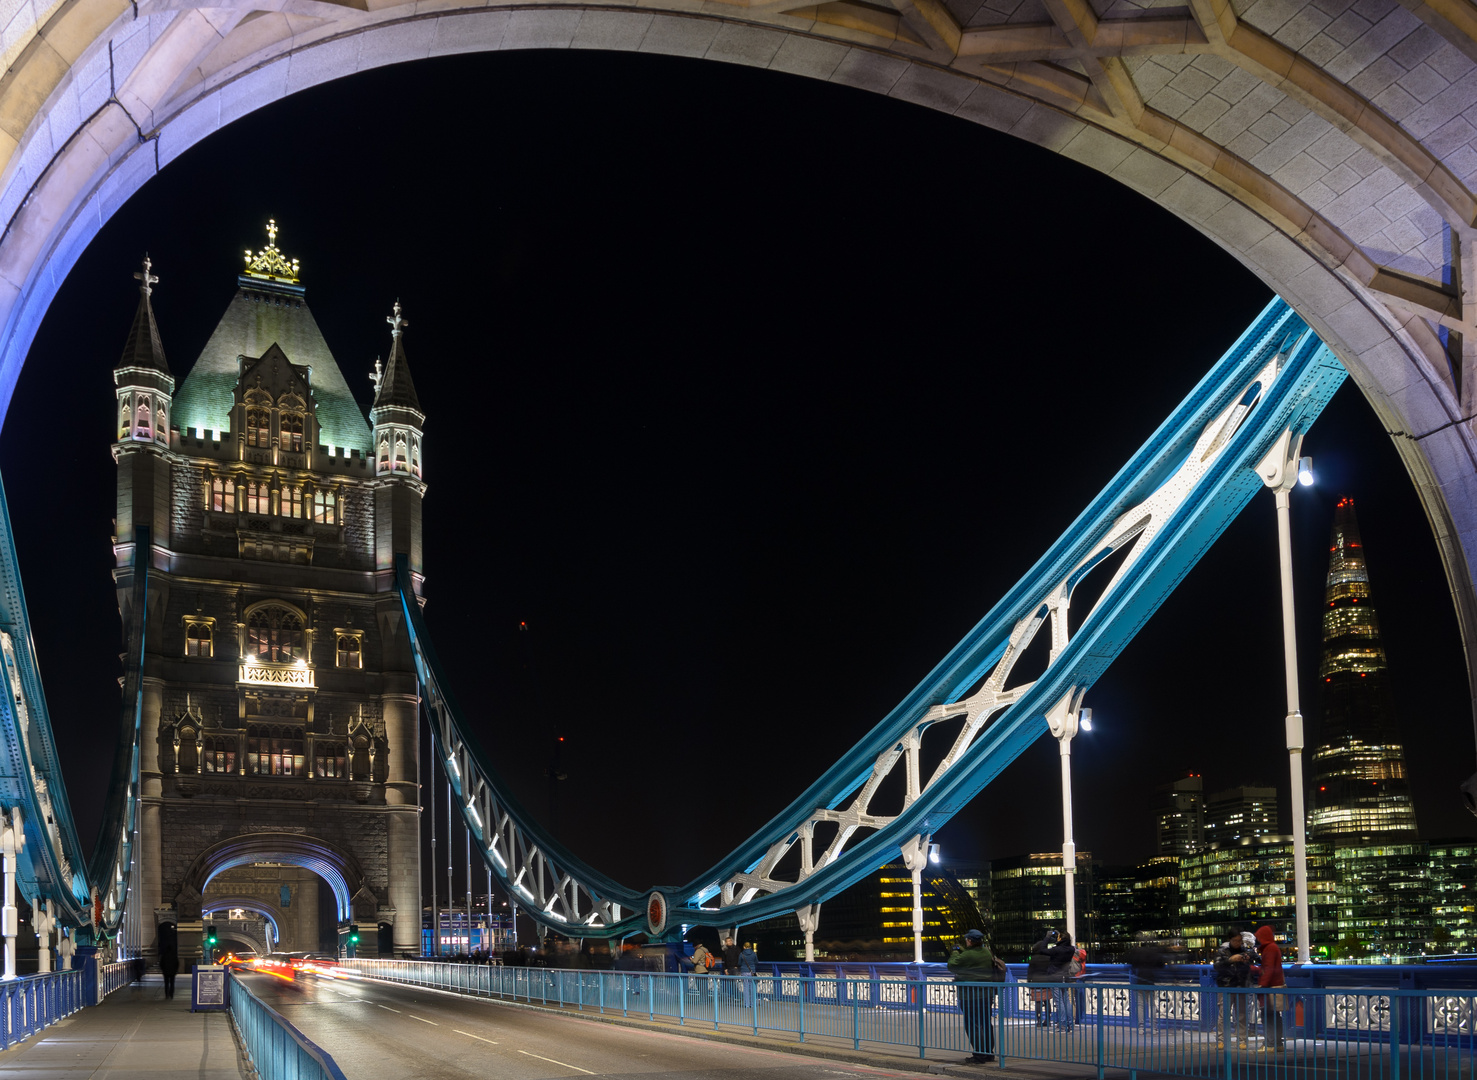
x,y
656,913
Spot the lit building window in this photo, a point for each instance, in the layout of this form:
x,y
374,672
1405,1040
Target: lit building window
x,y
198,638
272,751
325,507
275,635
258,427
292,432
328,760
350,649
291,501
219,755
258,498
223,495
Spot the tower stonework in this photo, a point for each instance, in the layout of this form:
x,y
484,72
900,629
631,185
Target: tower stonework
x,y
280,707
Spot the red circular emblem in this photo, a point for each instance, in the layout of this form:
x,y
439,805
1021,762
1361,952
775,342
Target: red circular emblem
x,y
656,913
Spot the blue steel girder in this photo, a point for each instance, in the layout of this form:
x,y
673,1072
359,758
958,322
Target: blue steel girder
x,y
51,865
1171,501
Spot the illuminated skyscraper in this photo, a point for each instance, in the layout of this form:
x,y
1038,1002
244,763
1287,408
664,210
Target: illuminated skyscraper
x,y
1360,790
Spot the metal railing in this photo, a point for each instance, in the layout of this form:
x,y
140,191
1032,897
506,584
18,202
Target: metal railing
x,y
111,977
32,1002
1360,1033
278,1051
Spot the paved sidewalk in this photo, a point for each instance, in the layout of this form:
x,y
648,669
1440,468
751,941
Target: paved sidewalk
x,y
135,1033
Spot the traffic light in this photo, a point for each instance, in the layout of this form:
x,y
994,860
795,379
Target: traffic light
x,y
210,938
353,933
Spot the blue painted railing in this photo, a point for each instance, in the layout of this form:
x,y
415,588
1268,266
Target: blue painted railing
x,y
278,1051
1380,1033
33,1002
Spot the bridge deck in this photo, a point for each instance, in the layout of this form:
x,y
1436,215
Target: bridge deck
x,y
135,1033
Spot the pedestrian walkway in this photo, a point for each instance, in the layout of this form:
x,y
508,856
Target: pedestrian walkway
x,y
134,1033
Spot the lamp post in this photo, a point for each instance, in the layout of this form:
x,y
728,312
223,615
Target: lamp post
x,y
1281,470
1065,719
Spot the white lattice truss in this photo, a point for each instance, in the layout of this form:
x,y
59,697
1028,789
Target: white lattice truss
x,y
534,875
993,695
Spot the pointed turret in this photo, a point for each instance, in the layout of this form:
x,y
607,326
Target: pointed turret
x,y
144,384
1360,789
394,386
396,415
144,350
397,420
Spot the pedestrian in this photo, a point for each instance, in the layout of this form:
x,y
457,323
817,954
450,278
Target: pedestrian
x,y
1038,971
1061,958
749,969
974,967
169,966
1146,961
1232,971
731,954
1269,976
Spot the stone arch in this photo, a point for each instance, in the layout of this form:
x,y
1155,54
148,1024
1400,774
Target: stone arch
x,y
329,861
79,137
271,912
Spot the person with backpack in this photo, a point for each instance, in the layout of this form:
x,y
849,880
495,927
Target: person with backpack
x,y
1061,957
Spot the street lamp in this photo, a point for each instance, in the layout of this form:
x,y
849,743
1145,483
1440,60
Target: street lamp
x,y
1281,470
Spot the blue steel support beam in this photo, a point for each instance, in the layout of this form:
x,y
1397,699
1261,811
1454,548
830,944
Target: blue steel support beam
x,y
1172,500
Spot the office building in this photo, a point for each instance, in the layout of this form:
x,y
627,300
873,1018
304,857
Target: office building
x,y
1240,814
1179,817
1360,793
1028,898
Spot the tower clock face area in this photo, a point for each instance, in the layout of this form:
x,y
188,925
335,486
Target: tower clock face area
x,y
279,728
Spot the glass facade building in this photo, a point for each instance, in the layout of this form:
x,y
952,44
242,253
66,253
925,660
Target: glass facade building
x,y
1132,901
1250,885
1360,793
1028,898
1385,901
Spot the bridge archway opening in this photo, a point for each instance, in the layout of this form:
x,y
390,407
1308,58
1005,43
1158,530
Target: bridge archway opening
x,y
334,866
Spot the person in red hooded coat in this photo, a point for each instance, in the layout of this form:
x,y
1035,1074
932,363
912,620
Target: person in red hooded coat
x,y
1269,974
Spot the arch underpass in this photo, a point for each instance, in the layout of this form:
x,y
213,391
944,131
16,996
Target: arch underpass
x,y
1322,144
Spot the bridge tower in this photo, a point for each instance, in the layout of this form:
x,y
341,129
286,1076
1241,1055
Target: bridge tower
x,y
279,741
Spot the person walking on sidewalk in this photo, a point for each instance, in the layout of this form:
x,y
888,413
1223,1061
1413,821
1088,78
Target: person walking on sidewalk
x,y
974,967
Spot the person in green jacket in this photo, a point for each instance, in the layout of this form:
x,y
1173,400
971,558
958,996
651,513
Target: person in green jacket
x,y
973,968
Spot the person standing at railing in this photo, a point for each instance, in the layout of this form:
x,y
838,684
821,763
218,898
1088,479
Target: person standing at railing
x,y
731,955
749,969
1038,971
1232,971
1148,963
1269,975
974,967
1062,955
168,957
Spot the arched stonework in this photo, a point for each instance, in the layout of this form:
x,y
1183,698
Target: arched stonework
x,y
332,861
1327,152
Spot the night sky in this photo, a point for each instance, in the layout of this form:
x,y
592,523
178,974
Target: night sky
x,y
750,395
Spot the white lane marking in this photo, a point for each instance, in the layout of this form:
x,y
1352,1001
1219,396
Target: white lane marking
x,y
479,1038
422,1019
566,1064
387,1007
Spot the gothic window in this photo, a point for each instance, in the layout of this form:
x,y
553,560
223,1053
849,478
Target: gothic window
x,y
223,495
258,498
292,432
400,465
274,635
328,760
125,413
350,649
274,751
220,754
141,423
325,507
384,453
198,638
415,457
292,502
258,427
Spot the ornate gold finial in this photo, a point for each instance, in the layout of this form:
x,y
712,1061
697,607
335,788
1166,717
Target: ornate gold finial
x,y
269,264
396,322
146,280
